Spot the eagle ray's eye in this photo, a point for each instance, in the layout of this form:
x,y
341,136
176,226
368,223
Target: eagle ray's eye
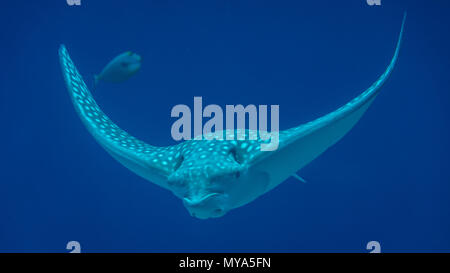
x,y
235,155
179,161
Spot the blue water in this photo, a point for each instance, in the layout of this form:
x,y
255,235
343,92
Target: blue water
x,y
387,180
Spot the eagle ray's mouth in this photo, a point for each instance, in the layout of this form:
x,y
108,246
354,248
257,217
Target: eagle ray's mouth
x,y
200,200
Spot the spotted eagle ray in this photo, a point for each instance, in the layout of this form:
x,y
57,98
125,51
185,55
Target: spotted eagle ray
x,y
215,176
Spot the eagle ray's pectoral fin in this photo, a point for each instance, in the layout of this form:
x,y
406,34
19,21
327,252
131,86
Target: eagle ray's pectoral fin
x,y
300,145
150,162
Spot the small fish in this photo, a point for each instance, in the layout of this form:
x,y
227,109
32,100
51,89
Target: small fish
x,y
120,69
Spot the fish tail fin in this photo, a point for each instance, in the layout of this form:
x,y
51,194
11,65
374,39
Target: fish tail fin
x,y
96,79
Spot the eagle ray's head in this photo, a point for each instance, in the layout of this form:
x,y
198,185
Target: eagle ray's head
x,y
206,173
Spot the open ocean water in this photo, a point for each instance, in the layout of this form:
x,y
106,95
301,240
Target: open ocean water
x,y
387,180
